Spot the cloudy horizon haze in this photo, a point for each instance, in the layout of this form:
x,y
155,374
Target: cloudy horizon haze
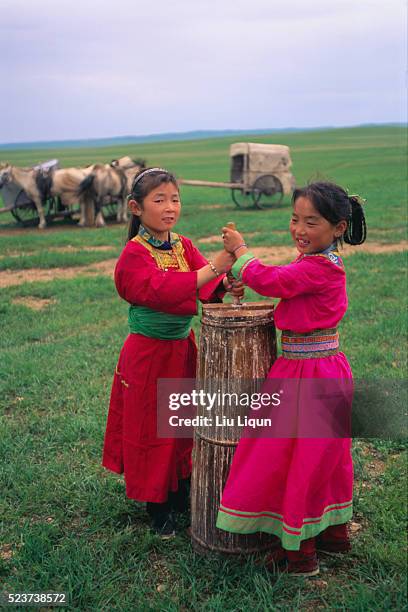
x,y
101,69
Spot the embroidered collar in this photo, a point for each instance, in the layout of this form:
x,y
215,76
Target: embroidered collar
x,y
164,245
331,253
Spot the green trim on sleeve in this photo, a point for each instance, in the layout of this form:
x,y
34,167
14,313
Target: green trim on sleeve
x,y
237,268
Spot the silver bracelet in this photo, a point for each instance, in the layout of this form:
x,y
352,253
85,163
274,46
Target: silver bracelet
x,y
239,247
213,268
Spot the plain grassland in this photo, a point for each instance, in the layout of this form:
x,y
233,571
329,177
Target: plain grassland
x,y
66,523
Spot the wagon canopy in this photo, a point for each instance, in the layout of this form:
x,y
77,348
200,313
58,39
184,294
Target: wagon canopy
x,y
263,158
12,194
250,161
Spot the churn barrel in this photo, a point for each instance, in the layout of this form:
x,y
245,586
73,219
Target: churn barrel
x,y
237,343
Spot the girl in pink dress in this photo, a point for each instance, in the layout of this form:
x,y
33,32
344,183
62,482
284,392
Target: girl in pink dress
x,y
300,489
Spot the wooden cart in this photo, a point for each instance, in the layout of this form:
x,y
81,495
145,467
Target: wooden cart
x,y
260,173
22,207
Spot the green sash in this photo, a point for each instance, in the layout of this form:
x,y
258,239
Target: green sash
x,y
155,324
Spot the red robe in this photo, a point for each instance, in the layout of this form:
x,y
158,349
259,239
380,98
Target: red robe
x,y
152,466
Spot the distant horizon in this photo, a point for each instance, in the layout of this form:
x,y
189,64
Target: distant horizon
x,y
179,136
180,67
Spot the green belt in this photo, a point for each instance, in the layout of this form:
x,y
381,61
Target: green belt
x,y
155,324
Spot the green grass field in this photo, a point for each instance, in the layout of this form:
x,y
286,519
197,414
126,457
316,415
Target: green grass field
x,y
66,523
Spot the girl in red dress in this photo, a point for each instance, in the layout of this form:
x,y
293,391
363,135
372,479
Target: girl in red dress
x,y
162,275
300,489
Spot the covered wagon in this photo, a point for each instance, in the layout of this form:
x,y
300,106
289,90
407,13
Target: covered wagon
x,y
261,172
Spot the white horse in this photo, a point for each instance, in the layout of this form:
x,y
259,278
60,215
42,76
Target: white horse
x,y
131,167
34,182
106,183
127,162
91,187
65,184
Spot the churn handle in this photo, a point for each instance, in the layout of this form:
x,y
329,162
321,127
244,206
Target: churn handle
x,y
236,300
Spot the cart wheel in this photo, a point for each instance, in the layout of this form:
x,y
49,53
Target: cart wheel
x,y
26,213
51,205
268,186
64,209
56,209
241,198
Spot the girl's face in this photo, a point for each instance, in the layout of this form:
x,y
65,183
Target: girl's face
x,y
310,231
160,211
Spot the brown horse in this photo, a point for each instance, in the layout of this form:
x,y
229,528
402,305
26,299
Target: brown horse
x,y
34,182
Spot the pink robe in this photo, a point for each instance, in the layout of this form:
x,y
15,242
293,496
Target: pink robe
x,y
152,466
294,487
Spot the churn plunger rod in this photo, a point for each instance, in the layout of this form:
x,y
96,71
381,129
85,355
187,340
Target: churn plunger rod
x,y
236,299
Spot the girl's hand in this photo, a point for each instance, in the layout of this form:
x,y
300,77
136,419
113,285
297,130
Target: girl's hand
x,y
220,264
233,286
223,261
232,239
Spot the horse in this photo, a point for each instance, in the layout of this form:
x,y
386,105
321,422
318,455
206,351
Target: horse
x,y
130,176
35,183
127,162
65,184
106,183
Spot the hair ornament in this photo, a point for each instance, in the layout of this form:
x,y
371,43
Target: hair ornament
x,y
358,198
144,173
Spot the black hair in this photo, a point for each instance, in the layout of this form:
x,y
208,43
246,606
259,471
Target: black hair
x,y
335,205
142,187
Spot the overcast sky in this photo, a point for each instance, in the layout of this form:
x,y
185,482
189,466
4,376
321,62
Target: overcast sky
x,y
98,68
